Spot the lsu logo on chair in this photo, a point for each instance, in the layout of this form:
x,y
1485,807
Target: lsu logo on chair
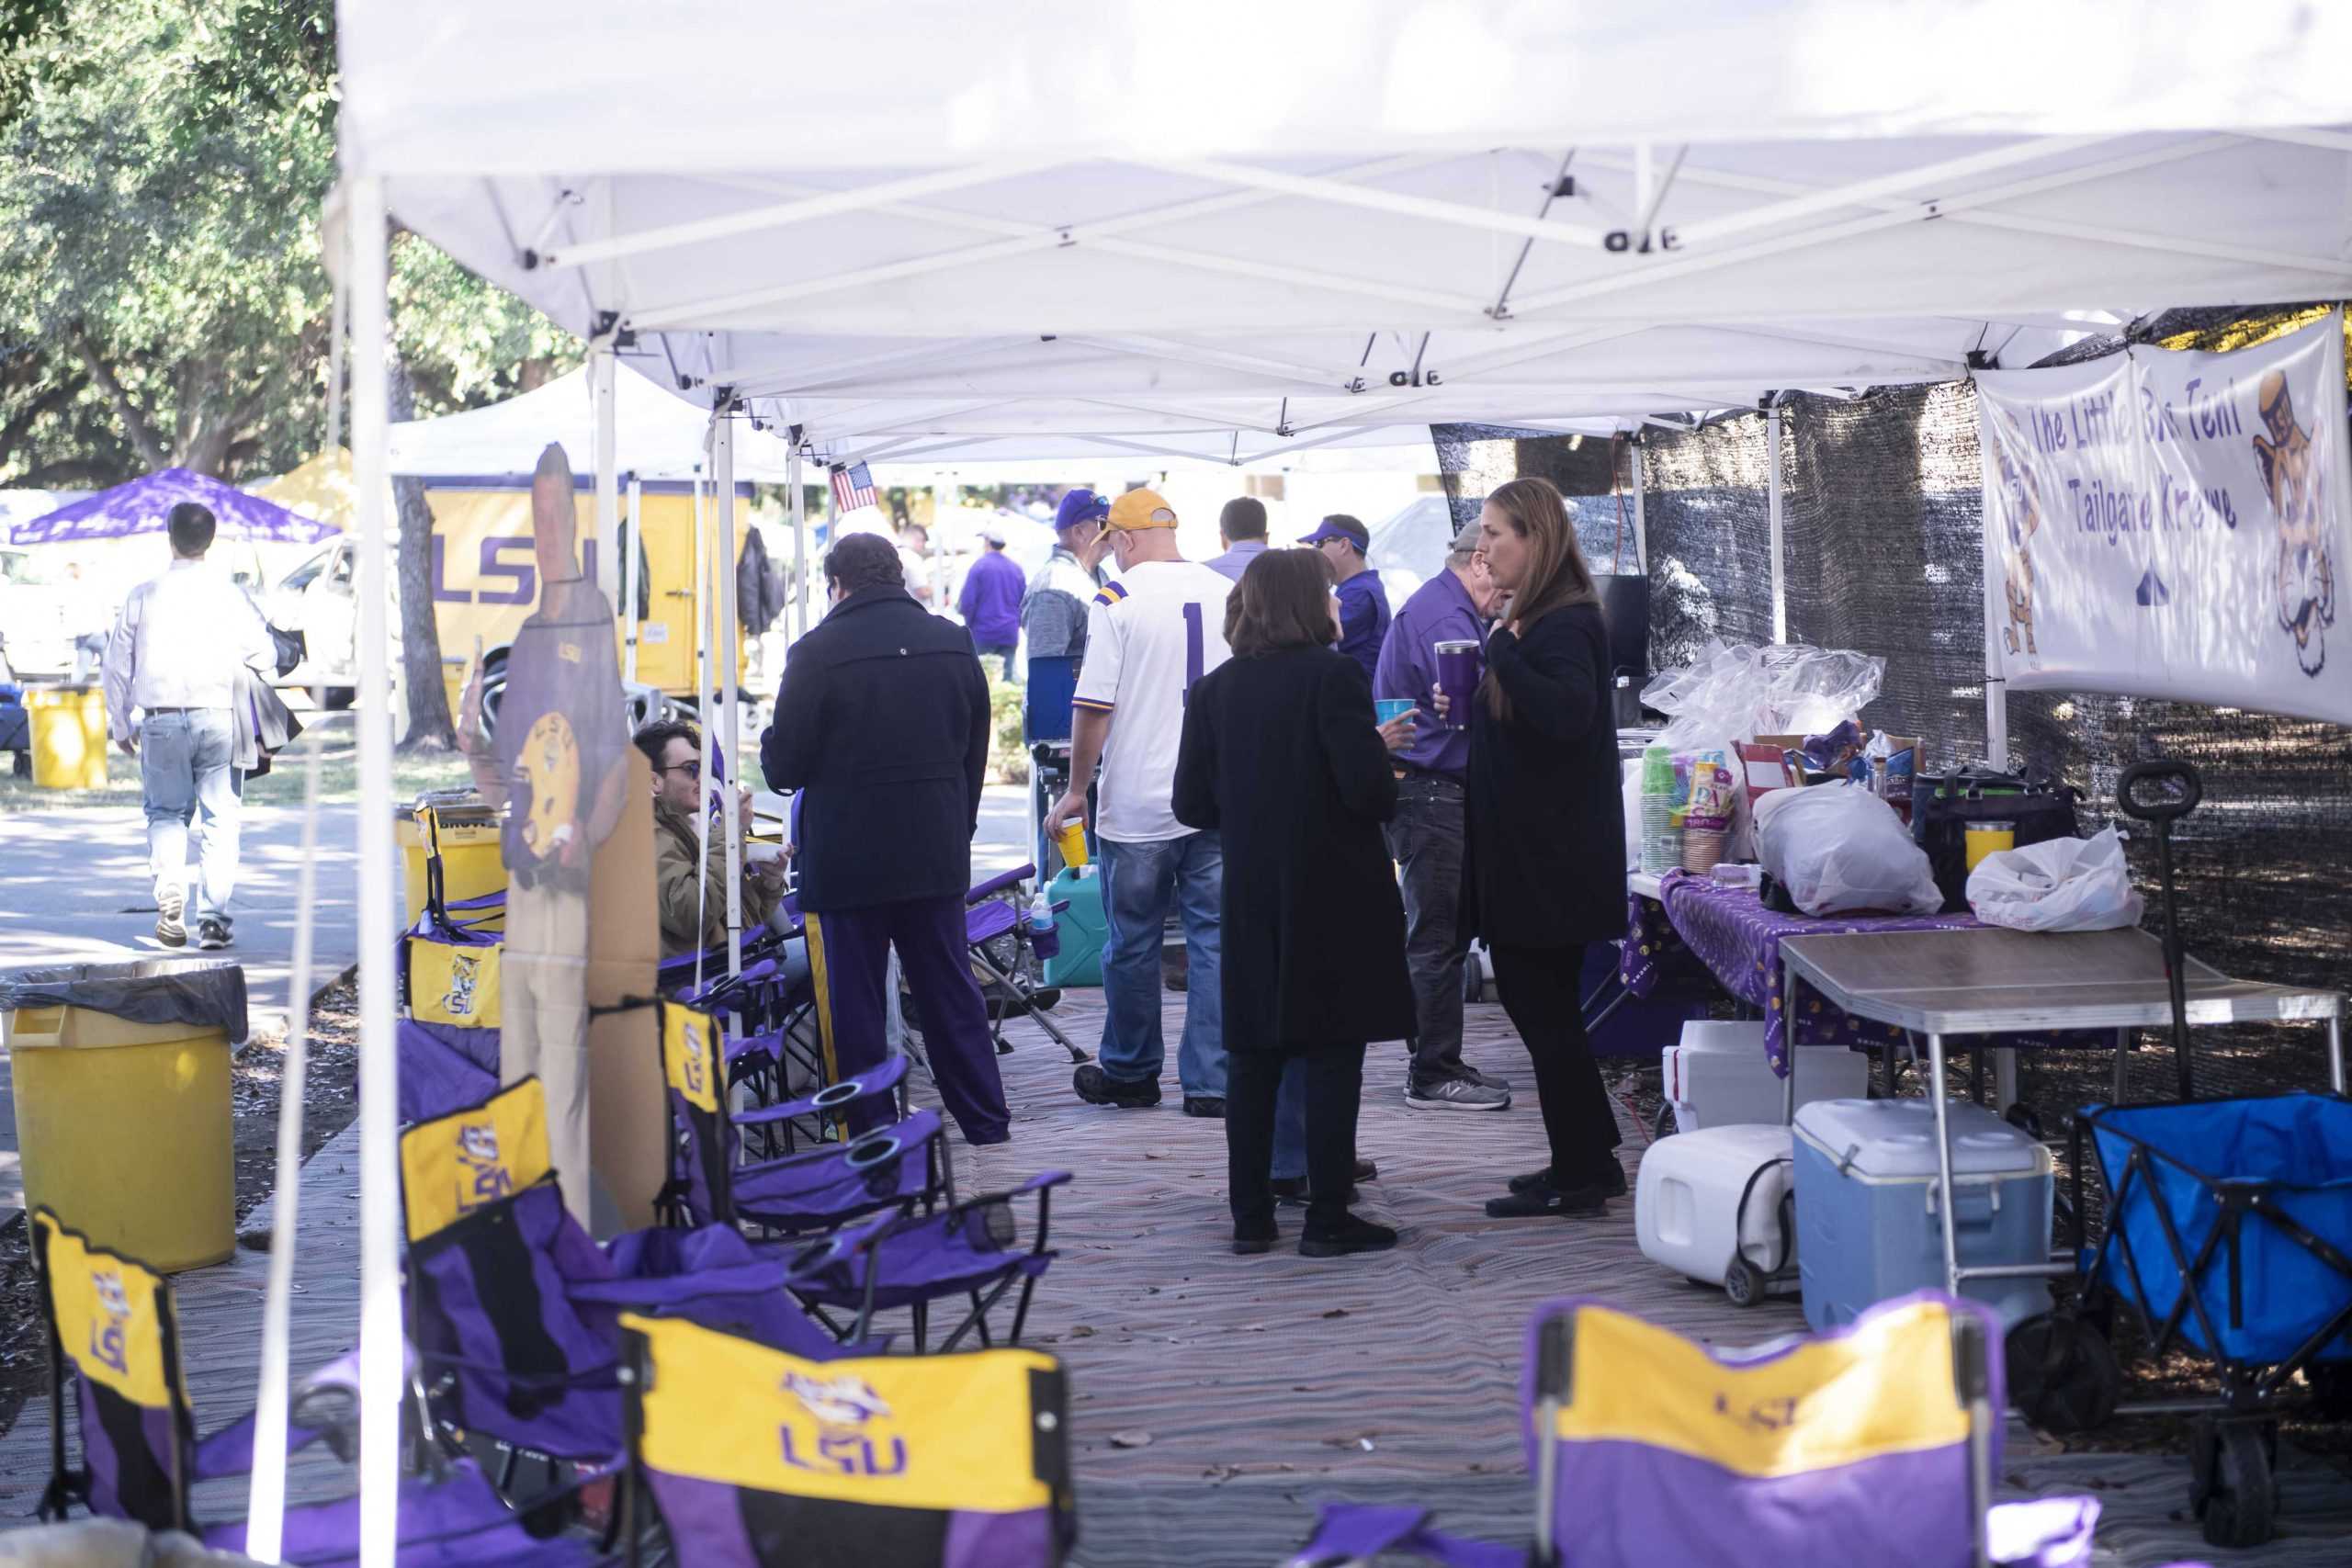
x,y
844,1411
465,976
482,1177
690,1060
110,1325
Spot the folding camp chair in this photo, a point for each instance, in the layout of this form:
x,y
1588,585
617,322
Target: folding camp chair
x,y
1871,1445
754,1459
514,1311
994,919
113,1321
925,1247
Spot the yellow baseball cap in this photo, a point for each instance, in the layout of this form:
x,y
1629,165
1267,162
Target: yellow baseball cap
x,y
1141,509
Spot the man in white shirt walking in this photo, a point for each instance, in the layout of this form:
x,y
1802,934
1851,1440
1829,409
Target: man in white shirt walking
x,y
1154,629
175,657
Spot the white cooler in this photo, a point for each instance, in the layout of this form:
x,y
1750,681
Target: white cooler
x,y
1687,1212
1719,1076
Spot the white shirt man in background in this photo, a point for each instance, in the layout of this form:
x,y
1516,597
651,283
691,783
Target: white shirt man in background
x,y
1151,631
175,657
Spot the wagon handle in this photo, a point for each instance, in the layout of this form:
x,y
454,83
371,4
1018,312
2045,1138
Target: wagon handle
x,y
2177,786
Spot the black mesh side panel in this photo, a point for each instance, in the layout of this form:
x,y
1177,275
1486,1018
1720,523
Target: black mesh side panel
x,y
1709,528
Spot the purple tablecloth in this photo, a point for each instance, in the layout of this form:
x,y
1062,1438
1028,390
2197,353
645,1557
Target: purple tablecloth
x,y
1738,939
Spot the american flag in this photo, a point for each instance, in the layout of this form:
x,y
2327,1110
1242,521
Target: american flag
x,y
854,488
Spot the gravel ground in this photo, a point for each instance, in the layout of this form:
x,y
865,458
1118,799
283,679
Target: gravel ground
x,y
329,1104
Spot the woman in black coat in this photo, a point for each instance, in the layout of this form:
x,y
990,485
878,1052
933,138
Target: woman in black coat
x,y
1543,861
1282,755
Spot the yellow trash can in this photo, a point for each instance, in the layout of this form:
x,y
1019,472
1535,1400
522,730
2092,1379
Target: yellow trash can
x,y
124,1128
68,725
471,862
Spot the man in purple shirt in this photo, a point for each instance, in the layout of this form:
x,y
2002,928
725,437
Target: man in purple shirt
x,y
1426,834
1364,602
991,602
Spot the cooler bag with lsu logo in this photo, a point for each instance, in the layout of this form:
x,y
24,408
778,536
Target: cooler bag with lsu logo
x,y
451,978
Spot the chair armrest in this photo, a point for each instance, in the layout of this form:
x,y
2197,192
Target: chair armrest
x,y
883,1079
996,885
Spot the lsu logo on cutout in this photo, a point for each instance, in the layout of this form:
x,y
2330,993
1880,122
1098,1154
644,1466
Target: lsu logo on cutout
x,y
109,1337
843,1408
465,976
484,1178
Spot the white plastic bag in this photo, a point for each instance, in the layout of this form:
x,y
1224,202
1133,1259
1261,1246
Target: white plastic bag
x,y
1839,849
2063,885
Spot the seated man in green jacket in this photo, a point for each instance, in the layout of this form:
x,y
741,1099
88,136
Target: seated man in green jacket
x,y
694,907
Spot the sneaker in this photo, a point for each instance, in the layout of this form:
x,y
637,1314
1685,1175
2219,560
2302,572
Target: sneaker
x,y
1456,1094
169,929
212,934
1208,1107
1489,1079
1098,1088
1349,1235
1536,1202
1367,1171
1613,1184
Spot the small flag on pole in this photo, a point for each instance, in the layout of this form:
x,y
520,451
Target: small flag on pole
x,y
854,488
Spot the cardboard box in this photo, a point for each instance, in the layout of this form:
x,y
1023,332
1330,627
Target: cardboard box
x,y
629,1110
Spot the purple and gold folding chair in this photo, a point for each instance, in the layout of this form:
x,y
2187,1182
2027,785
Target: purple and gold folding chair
x,y
514,1311
112,1321
920,1244
1871,1445
755,1459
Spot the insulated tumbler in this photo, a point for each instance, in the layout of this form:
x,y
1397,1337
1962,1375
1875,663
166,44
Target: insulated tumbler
x,y
1457,671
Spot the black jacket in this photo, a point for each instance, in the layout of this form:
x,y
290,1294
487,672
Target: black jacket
x,y
883,719
1282,756
1544,862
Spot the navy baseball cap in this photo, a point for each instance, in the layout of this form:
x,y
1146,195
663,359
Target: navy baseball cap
x,y
1080,506
1338,525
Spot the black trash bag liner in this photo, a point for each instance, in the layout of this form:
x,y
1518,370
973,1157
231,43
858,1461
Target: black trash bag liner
x,y
203,993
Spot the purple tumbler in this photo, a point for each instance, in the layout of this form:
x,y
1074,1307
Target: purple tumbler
x,y
1457,671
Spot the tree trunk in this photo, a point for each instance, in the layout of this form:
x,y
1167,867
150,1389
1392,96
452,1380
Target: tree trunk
x,y
429,726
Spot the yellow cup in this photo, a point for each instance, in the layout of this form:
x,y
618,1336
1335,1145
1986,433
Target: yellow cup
x,y
1990,837
1072,842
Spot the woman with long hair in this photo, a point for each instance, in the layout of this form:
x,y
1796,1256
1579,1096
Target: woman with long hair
x,y
1544,867
1281,754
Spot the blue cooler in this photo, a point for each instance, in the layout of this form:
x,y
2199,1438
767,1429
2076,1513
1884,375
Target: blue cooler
x,y
1080,927
1868,1229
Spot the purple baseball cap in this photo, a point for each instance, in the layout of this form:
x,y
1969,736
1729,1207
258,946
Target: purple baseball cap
x,y
1080,506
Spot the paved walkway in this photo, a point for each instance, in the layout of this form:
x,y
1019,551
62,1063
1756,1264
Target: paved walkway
x,y
77,893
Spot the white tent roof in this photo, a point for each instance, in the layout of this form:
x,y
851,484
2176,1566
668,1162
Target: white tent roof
x,y
658,436
1242,226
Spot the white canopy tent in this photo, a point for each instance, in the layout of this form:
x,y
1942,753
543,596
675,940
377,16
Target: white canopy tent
x,y
657,437
1095,228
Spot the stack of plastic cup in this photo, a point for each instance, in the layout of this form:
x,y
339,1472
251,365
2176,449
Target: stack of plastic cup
x,y
1661,839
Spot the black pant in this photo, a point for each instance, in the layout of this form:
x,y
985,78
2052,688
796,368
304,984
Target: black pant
x,y
1425,836
1540,991
1334,1091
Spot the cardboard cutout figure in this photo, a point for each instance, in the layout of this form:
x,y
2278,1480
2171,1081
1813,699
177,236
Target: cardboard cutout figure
x,y
562,739
2291,474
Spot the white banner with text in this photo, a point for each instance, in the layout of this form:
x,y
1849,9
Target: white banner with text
x,y
2168,524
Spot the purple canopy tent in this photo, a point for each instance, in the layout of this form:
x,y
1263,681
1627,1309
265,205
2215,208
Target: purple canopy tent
x,y
141,507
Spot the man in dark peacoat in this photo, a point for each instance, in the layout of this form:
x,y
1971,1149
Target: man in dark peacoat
x,y
1283,756
883,722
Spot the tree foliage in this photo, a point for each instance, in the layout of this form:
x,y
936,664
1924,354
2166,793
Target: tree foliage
x,y
162,295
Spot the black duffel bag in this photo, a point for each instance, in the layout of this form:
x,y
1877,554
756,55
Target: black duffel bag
x,y
1943,806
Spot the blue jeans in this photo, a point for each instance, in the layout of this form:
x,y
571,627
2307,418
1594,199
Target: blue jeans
x,y
1139,882
186,777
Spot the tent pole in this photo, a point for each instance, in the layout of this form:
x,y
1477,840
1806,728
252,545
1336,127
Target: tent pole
x,y
722,456
1641,533
798,625
631,583
1772,503
380,1280
701,601
600,364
